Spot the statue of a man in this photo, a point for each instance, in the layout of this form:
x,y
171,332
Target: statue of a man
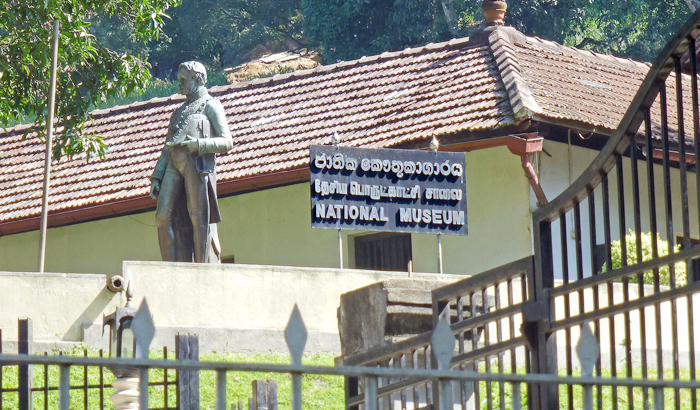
x,y
184,181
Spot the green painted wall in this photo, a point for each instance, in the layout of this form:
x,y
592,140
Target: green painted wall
x,y
90,247
498,207
273,227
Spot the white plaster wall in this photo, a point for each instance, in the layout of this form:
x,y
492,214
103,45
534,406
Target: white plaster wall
x,y
58,304
273,227
247,302
499,218
568,162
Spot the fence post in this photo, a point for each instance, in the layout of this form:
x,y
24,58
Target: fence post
x,y
352,388
264,395
439,308
24,346
187,347
544,346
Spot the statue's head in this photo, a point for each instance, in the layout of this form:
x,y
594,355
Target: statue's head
x,y
192,75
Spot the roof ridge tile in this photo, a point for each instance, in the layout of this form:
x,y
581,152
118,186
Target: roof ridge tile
x,y
521,100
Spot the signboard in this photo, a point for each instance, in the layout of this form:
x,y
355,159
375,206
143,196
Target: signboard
x,y
388,190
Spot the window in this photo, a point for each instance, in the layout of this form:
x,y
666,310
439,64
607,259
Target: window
x,y
383,251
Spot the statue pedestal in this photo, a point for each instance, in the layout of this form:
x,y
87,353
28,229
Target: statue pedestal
x,y
127,395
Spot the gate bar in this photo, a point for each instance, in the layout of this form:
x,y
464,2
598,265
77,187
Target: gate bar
x,y
64,388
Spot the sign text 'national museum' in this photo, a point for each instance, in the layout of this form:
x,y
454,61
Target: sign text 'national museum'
x,y
388,190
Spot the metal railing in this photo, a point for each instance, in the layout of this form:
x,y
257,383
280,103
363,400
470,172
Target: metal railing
x,y
443,377
93,382
485,316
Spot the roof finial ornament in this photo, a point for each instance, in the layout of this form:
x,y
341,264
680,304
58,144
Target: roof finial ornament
x,y
434,144
494,11
129,295
335,139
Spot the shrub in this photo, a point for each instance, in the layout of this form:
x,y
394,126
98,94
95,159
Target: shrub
x,y
662,246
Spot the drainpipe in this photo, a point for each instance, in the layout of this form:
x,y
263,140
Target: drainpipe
x,y
525,145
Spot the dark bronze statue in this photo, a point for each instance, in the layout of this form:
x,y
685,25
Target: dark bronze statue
x,y
184,181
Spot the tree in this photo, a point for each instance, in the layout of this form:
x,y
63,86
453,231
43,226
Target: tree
x,y
88,72
628,28
349,29
223,33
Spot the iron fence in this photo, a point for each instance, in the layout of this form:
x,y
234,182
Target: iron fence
x,y
441,376
92,380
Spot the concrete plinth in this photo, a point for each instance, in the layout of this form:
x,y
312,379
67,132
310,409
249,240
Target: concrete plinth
x,y
231,307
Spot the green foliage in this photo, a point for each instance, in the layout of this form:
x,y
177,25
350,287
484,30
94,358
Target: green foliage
x,y
349,29
647,254
88,72
630,28
223,33
155,88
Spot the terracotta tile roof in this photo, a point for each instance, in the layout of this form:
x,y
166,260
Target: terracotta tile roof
x,y
586,88
578,85
459,87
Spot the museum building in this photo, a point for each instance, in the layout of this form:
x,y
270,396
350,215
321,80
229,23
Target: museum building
x,y
530,115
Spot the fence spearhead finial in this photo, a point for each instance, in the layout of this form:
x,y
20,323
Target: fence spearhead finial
x,y
144,330
443,341
587,349
129,294
295,334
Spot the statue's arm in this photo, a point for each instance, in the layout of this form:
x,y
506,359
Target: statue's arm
x,y
162,163
221,140
159,171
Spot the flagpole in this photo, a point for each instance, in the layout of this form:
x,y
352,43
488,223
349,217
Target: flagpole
x,y
49,137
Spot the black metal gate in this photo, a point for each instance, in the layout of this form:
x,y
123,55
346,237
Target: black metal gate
x,y
640,187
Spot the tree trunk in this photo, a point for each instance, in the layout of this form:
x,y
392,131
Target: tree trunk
x,y
448,8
